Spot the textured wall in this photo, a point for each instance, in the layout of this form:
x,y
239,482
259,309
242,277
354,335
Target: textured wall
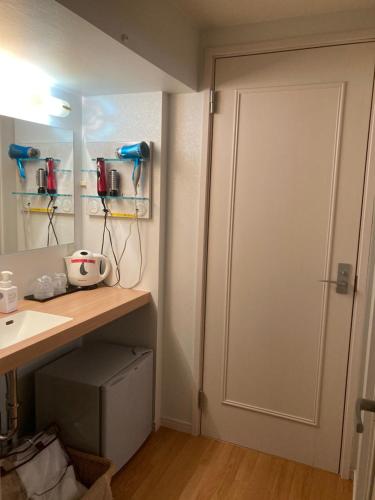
x,y
119,119
127,118
184,167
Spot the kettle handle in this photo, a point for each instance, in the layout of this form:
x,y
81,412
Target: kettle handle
x,y
107,268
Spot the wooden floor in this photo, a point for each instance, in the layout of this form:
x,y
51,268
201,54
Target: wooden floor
x,y
173,465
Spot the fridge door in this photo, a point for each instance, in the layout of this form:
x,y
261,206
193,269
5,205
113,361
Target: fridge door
x,y
127,411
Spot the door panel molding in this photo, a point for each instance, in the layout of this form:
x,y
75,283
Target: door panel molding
x,y
318,374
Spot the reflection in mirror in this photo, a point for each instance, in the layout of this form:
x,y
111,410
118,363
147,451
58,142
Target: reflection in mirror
x,y
36,181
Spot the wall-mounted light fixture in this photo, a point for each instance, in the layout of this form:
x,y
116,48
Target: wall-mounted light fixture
x,y
53,106
57,107
26,91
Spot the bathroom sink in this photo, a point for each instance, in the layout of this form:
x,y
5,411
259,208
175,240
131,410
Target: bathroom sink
x,y
23,325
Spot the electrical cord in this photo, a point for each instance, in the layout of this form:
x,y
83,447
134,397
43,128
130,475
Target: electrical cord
x,y
54,208
105,210
140,247
107,230
26,224
125,243
123,252
48,207
51,215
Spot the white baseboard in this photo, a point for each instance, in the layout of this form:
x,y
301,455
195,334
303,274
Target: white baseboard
x,y
176,424
355,478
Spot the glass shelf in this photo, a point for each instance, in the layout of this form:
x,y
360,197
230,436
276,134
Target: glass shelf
x,y
120,197
94,170
21,193
113,159
39,159
62,170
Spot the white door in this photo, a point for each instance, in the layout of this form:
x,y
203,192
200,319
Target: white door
x,y
288,160
365,470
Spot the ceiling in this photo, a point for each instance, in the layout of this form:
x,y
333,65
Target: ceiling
x,y
222,13
85,60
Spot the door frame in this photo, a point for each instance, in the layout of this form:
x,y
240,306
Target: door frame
x,y
358,335
366,445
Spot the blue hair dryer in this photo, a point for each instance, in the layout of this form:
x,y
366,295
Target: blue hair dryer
x,y
138,153
19,153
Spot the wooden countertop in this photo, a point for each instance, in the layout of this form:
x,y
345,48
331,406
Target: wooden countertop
x,y
89,310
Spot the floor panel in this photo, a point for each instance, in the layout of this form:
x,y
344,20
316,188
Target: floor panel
x,y
172,465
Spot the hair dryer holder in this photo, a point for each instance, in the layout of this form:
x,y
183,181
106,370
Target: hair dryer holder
x,y
124,205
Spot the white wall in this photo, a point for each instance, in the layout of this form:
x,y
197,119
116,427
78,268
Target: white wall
x,y
8,204
119,119
157,31
184,166
134,117
110,120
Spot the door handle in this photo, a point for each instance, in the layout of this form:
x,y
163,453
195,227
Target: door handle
x,y
363,405
342,281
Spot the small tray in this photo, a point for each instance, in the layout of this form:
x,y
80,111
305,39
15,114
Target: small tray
x,y
70,289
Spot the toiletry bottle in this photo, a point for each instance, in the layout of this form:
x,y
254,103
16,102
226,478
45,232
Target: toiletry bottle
x,y
8,293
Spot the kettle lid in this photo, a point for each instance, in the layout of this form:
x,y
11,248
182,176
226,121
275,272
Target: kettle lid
x,y
83,254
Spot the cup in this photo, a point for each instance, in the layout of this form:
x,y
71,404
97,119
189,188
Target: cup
x,y
59,281
43,287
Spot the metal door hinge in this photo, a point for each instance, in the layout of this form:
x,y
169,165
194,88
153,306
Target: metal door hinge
x,y
212,103
355,284
200,399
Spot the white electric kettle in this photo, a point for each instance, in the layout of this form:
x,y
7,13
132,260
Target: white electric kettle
x,y
84,267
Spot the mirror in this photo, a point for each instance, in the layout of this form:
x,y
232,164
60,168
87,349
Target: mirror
x,y
36,185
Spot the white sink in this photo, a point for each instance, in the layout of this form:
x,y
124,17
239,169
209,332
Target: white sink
x,y
26,324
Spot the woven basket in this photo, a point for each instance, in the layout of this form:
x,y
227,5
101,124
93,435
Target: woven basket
x,y
95,473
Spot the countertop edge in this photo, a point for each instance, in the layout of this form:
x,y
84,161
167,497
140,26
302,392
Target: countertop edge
x,y
26,351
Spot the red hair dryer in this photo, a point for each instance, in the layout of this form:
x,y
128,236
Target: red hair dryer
x,y
51,177
101,183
